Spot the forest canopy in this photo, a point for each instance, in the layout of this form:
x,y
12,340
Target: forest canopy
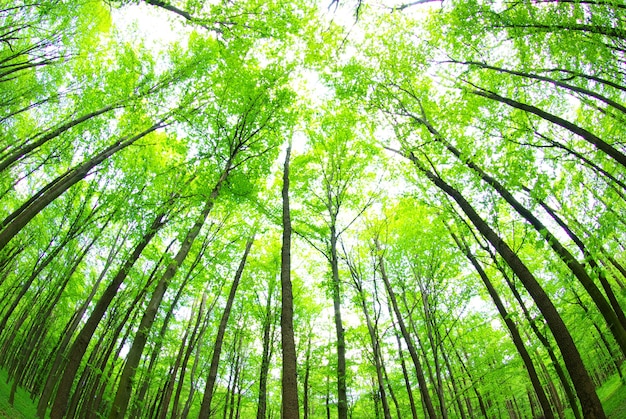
x,y
313,209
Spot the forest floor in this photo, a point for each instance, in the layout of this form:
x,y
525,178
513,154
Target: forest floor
x,y
23,408
612,394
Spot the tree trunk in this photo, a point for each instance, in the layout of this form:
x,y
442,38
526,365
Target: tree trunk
x,y
405,374
585,388
193,341
268,341
11,157
518,341
426,399
60,357
205,407
581,132
558,83
160,339
78,348
374,340
290,409
571,397
610,313
23,215
342,393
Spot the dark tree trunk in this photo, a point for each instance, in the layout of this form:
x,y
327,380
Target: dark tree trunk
x,y
158,346
122,397
268,341
379,390
193,341
608,312
518,341
78,348
342,393
583,133
405,373
307,374
585,388
60,357
22,216
556,363
205,407
555,82
10,158
290,409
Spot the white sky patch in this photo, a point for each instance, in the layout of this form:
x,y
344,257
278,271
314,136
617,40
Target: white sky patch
x,y
156,28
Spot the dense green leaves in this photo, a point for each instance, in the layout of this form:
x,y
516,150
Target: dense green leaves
x,y
444,155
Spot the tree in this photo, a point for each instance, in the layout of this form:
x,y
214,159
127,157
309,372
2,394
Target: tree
x,y
289,408
450,205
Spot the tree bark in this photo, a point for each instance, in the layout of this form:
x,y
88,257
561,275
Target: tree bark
x,y
581,132
426,399
290,408
585,388
518,341
342,393
205,407
11,158
608,311
78,348
23,215
268,342
374,340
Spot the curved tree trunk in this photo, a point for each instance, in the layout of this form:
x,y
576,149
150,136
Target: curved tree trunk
x,y
608,311
78,348
518,341
342,393
374,340
585,388
588,136
12,224
124,390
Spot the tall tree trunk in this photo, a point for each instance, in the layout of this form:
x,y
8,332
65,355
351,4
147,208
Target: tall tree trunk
x,y
290,408
39,324
78,226
268,341
12,224
307,374
427,402
555,82
60,357
592,263
616,323
342,393
591,138
405,373
27,147
556,363
431,326
374,340
193,341
122,397
79,347
585,388
518,341
160,339
205,407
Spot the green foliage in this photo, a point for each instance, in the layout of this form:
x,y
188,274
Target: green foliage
x,y
468,90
